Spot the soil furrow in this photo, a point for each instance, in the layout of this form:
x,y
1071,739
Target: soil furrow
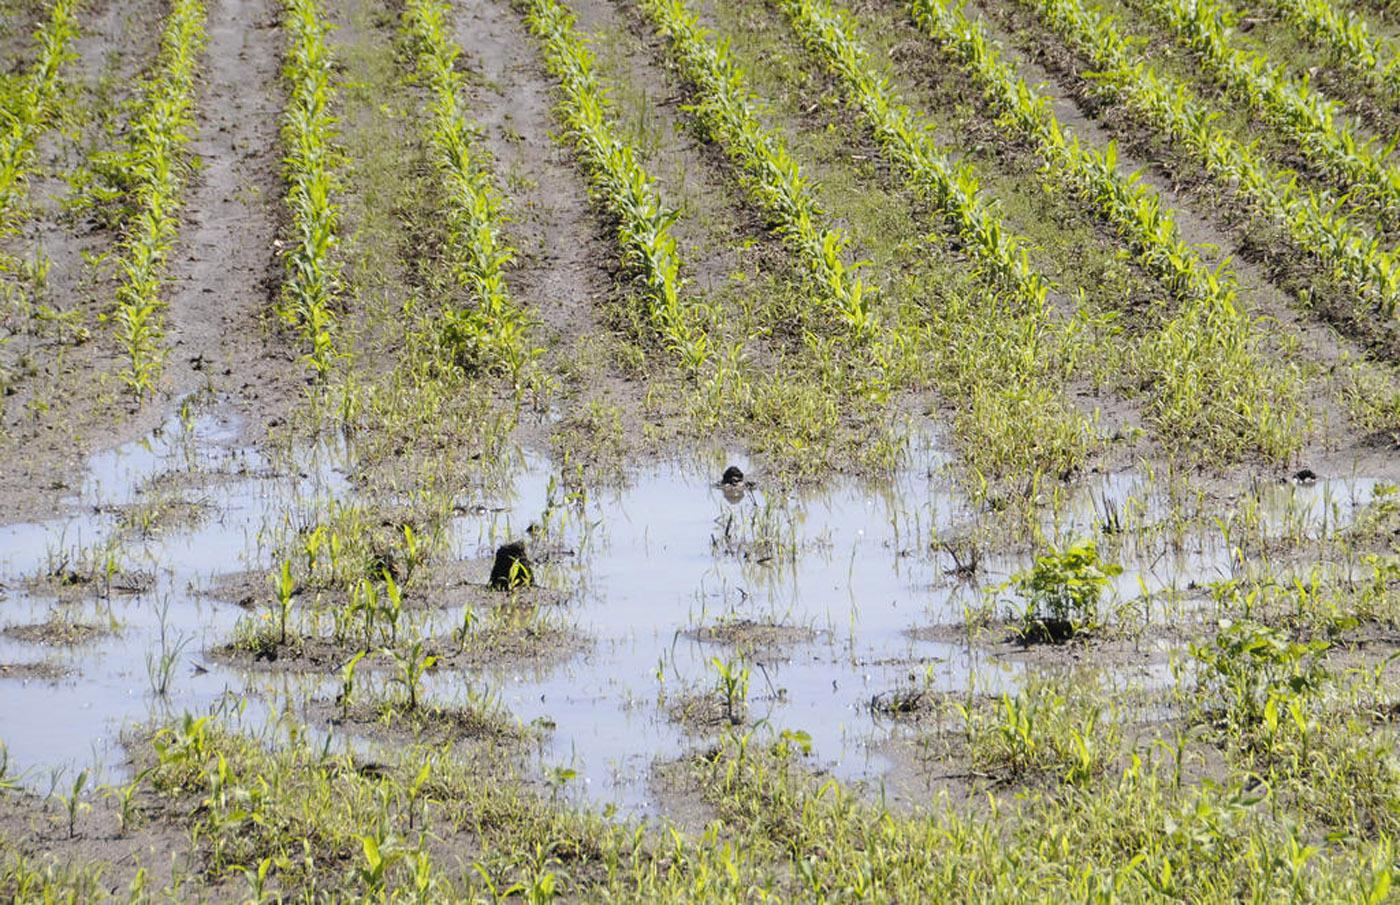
x,y
224,280
566,256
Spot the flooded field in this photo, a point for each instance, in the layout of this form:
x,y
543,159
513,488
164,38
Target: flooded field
x,y
832,601
698,451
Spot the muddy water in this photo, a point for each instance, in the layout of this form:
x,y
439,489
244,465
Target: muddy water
x,y
110,681
651,565
849,574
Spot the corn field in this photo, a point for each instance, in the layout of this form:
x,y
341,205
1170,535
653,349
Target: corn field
x,y
721,451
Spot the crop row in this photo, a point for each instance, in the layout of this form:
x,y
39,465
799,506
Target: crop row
x,y
150,172
618,180
909,143
27,113
312,283
1346,37
1331,147
1210,387
1022,370
492,334
1318,229
726,109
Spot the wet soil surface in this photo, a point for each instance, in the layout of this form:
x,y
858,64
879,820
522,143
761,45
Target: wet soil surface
x,y
564,271
62,381
225,282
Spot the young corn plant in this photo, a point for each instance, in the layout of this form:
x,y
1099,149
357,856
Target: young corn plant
x,y
148,174
1212,390
493,334
412,665
618,181
344,698
728,111
286,589
393,606
1345,36
73,803
312,281
732,688
1029,372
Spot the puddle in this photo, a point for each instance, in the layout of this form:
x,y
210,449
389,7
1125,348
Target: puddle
x,y
848,571
110,681
853,564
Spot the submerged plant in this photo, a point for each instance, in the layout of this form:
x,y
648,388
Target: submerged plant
x,y
1061,592
733,688
413,664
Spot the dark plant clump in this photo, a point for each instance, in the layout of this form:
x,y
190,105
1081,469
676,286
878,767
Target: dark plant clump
x,y
512,568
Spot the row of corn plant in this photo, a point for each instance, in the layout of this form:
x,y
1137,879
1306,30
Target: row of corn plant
x,y
1346,37
1331,147
618,180
909,143
1029,362
149,173
727,109
1212,389
28,113
312,282
1315,227
493,334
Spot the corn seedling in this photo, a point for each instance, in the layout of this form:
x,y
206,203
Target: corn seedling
x,y
150,172
493,333
347,684
1212,388
1346,37
466,629
1315,226
73,804
733,687
125,796
412,665
31,110
1027,370
286,590
1329,144
393,609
